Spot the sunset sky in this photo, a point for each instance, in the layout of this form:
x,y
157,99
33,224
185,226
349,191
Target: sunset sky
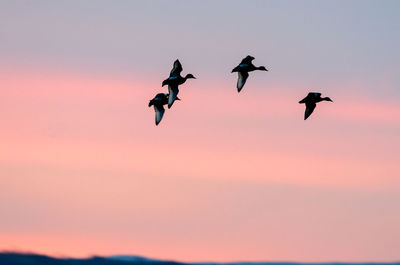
x,y
225,176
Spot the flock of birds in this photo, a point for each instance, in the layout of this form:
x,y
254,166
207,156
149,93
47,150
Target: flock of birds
x,y
175,80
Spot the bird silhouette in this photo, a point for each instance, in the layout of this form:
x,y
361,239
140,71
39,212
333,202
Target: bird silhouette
x,y
174,80
158,102
311,101
243,70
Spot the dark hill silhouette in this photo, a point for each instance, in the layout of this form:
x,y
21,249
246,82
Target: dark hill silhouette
x,y
14,258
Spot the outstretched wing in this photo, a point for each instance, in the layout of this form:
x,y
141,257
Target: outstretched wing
x,y
159,109
309,109
314,95
242,77
173,94
247,60
176,69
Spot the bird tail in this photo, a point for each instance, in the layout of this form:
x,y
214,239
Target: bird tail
x,y
236,69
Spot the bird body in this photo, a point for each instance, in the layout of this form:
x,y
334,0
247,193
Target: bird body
x,y
158,102
174,80
243,70
311,101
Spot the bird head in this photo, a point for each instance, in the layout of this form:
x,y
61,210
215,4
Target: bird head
x,y
190,76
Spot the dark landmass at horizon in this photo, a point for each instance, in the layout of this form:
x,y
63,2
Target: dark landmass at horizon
x,y
17,258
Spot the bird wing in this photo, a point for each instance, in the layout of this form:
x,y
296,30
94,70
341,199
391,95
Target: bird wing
x,y
176,69
309,109
314,94
242,77
173,94
159,109
247,60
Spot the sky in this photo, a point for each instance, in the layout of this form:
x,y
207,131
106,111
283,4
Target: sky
x,y
225,176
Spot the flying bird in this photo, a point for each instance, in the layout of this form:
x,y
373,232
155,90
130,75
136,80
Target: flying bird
x,y
311,102
243,70
158,102
174,80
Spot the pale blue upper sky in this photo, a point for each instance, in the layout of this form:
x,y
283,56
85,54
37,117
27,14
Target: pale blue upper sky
x,y
312,42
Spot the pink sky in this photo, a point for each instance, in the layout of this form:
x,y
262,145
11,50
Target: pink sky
x,y
225,176
86,171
